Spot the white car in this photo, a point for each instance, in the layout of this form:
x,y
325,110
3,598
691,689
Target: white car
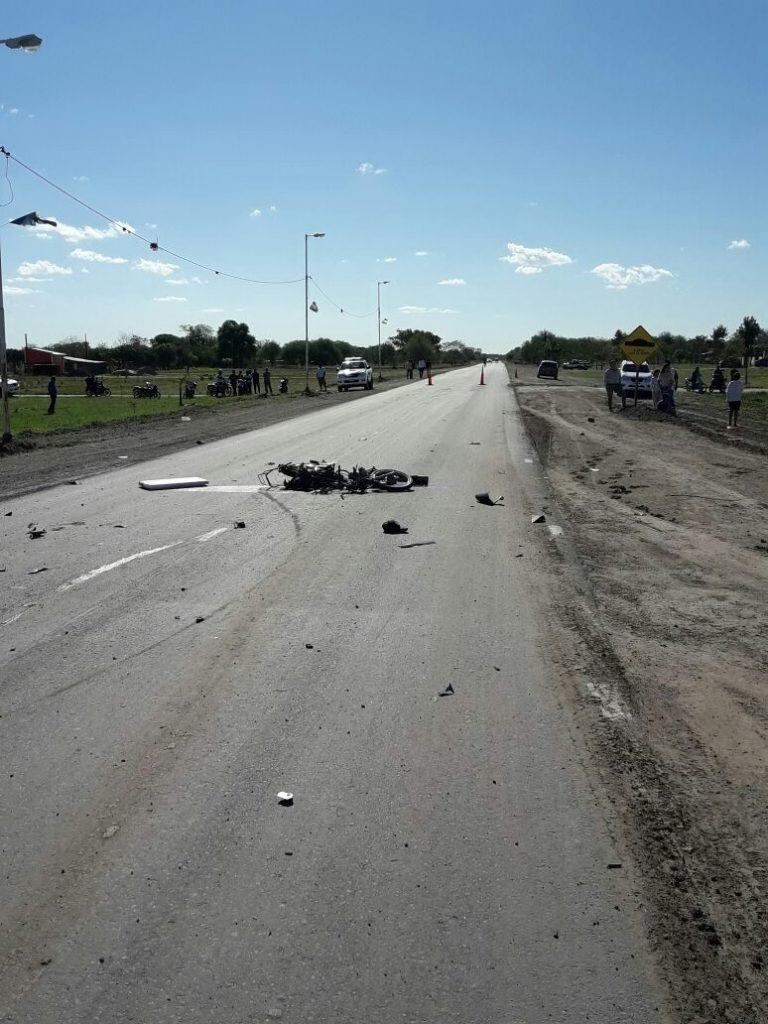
x,y
13,387
631,375
354,373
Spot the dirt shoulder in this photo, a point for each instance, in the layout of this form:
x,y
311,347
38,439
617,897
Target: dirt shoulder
x,y
662,583
45,460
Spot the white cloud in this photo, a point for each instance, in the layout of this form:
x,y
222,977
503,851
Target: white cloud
x,y
13,289
367,168
255,213
81,178
619,278
13,110
388,259
85,233
84,270
739,243
213,309
453,281
155,267
417,310
540,258
198,280
27,269
421,252
26,280
170,298
176,280
90,256
273,209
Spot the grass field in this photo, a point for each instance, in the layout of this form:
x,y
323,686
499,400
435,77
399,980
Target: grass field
x,y
74,411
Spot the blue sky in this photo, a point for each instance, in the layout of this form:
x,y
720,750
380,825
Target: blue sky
x,y
580,166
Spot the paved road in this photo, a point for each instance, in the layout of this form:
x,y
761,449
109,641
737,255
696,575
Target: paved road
x,y
445,858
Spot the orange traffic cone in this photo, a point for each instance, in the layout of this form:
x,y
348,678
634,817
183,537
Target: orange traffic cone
x,y
429,376
482,375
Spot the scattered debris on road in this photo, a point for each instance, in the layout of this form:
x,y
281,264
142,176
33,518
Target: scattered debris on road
x,y
111,831
34,572
285,799
539,518
418,544
200,618
33,532
486,499
419,481
392,526
324,477
240,524
447,692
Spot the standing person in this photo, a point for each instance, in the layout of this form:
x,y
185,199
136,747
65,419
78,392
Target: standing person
x,y
233,382
668,382
421,366
320,374
267,382
409,370
255,384
53,392
656,397
733,393
612,382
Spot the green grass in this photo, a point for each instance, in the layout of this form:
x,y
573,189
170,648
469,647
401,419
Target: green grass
x,y
75,412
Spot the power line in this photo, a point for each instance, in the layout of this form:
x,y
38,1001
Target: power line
x,y
346,312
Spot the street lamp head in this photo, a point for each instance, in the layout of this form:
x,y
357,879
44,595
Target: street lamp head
x,y
318,234
30,42
385,282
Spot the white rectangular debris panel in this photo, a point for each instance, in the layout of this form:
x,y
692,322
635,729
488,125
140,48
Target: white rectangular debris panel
x,y
173,482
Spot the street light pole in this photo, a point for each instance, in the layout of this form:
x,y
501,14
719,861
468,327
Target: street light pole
x,y
307,236
378,318
7,437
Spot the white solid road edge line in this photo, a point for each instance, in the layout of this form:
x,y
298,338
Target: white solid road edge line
x,y
115,565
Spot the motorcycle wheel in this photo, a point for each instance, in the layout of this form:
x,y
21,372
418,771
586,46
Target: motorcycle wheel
x,y
137,392
107,392
391,480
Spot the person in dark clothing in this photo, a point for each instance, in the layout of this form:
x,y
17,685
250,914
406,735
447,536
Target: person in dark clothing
x,y
233,383
52,392
267,381
256,383
409,370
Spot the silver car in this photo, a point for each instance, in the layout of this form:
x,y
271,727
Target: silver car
x,y
13,387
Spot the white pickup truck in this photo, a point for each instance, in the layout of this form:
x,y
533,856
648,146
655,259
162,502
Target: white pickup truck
x,y
354,373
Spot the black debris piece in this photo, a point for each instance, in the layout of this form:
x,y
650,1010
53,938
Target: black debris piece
x,y
590,419
9,513
324,477
539,518
240,524
614,866
34,572
418,544
419,481
486,499
200,618
447,692
392,526
310,647
35,532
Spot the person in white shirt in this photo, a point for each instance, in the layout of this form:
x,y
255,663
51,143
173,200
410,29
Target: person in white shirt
x,y
733,393
612,381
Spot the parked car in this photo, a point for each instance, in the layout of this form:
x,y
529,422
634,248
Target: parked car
x,y
630,376
548,368
354,373
13,387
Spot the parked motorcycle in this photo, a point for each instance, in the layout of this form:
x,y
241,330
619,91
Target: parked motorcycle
x,y
94,387
190,386
146,390
697,386
244,386
718,382
219,388
283,386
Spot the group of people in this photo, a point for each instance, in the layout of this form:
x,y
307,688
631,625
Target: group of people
x,y
664,384
422,365
248,383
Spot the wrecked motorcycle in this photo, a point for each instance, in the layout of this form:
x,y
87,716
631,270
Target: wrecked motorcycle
x,y
328,476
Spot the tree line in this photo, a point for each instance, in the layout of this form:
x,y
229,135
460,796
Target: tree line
x,y
233,345
747,342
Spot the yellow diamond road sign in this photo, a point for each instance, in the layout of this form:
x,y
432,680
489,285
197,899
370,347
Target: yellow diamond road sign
x,y
638,346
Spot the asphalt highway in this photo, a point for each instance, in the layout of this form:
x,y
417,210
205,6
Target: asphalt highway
x,y
445,859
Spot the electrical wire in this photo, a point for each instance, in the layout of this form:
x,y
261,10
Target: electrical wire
x,y
7,178
346,312
128,230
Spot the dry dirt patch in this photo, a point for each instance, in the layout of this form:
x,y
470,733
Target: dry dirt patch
x,y
669,521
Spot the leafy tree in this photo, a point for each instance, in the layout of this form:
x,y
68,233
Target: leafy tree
x,y
270,352
718,338
293,353
403,337
235,342
748,332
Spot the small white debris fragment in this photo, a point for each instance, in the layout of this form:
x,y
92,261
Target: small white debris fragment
x,y
111,831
